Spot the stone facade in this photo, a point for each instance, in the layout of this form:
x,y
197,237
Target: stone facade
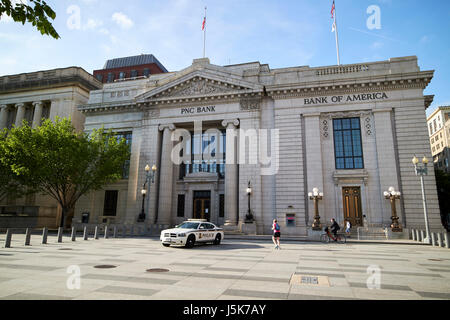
x,y
32,97
293,108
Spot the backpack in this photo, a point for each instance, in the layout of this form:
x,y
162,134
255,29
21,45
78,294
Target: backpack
x,y
277,227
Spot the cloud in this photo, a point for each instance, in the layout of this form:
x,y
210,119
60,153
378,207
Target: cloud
x,y
122,20
425,39
377,45
92,24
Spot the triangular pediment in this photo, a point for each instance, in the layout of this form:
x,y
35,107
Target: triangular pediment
x,y
200,84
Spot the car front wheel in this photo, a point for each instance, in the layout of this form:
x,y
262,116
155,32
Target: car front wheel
x,y
218,239
166,245
190,241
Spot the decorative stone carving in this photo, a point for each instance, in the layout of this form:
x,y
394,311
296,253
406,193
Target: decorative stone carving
x,y
324,127
226,122
365,116
196,88
170,126
151,113
249,104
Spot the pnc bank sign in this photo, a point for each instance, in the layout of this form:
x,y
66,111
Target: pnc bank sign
x,y
197,110
347,98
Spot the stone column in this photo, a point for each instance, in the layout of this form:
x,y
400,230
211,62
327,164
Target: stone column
x,y
231,173
38,107
268,181
20,114
166,175
3,116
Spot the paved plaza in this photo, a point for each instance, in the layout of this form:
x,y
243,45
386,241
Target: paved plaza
x,y
236,270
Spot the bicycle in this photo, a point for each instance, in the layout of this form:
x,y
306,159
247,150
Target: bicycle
x,y
327,237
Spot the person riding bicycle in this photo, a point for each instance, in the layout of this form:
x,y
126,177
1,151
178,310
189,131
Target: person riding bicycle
x,y
334,228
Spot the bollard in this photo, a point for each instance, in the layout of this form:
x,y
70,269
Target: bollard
x,y
446,240
74,234
28,237
8,238
106,232
85,233
96,233
60,234
115,232
433,239
413,233
416,232
422,235
44,235
439,240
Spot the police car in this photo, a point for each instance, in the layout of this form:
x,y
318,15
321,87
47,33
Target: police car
x,y
191,232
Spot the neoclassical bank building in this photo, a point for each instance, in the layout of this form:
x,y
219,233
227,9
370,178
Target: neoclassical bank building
x,y
229,140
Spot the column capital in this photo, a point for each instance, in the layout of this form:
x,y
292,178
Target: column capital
x,y
19,105
227,122
35,103
169,126
3,106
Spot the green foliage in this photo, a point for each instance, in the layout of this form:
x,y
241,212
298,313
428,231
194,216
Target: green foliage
x,y
9,186
38,15
54,159
443,188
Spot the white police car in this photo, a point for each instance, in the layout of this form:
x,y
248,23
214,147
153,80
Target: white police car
x,y
191,232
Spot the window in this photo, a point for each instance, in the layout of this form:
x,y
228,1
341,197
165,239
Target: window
x,y
99,77
431,128
146,72
110,205
110,77
432,140
180,206
134,73
221,206
348,144
199,147
122,75
434,124
128,136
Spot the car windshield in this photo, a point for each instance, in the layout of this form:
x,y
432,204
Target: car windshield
x,y
189,225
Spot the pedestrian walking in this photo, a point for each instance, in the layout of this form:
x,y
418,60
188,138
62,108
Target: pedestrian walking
x,y
276,234
348,227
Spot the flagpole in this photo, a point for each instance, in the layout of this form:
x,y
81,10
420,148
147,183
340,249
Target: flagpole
x,y
337,37
204,37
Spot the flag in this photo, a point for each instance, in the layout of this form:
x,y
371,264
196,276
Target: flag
x,y
332,10
204,24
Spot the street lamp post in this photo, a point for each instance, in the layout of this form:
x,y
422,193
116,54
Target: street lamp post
x,y
316,196
393,195
423,171
150,178
249,216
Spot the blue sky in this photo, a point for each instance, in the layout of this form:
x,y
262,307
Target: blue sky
x,y
281,33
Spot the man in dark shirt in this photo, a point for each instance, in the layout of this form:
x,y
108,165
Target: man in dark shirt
x,y
334,228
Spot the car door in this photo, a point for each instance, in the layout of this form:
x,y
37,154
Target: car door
x,y
203,232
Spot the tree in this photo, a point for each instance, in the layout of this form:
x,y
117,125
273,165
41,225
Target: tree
x,y
55,160
443,189
9,186
38,15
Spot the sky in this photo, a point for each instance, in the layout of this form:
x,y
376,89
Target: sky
x,y
284,33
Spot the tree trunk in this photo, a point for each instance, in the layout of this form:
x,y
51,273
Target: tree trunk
x,y
63,216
